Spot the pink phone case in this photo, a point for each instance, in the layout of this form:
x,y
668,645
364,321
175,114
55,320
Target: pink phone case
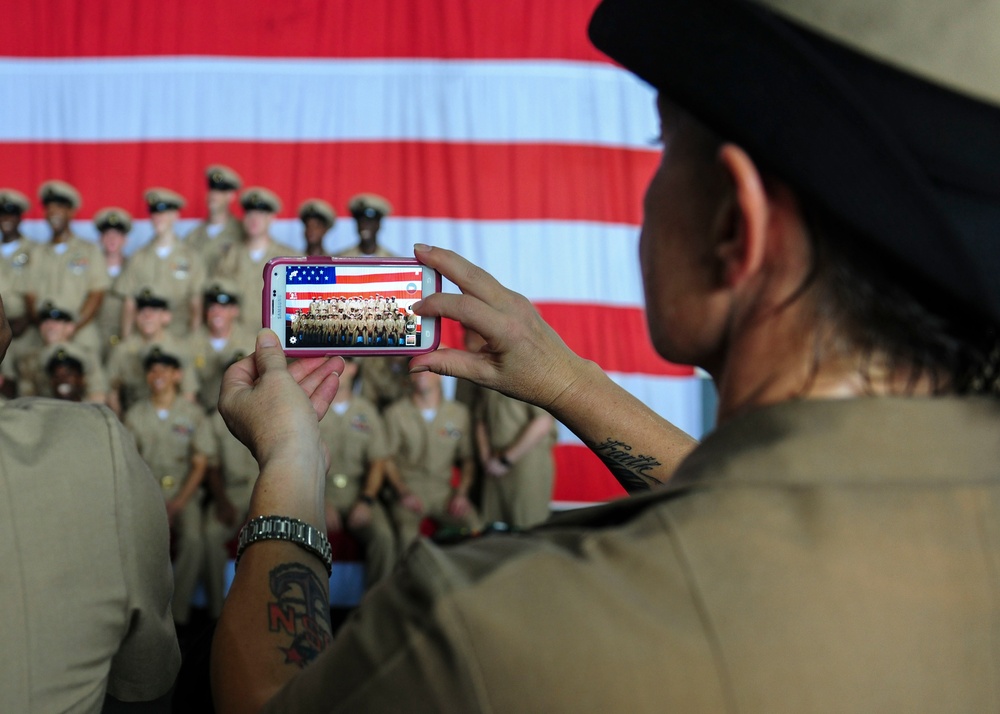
x,y
332,262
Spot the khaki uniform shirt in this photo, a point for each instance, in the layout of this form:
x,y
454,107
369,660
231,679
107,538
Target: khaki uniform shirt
x,y
211,248
247,274
425,452
817,556
109,317
210,364
17,259
86,565
67,276
523,495
355,439
165,442
179,278
125,370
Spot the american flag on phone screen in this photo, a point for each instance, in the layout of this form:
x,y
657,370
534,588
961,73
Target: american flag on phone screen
x,y
303,285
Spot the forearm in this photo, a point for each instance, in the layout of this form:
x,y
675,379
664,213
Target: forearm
x,y
276,619
90,307
193,481
30,302
639,447
197,310
467,474
115,400
374,479
482,441
214,482
395,478
532,435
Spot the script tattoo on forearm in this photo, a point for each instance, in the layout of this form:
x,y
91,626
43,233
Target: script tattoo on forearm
x,y
630,469
300,610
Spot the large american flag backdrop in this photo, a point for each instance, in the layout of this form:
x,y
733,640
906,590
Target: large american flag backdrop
x,y
493,127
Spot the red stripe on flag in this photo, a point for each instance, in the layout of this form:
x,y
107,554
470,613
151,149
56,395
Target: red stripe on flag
x,y
426,179
613,337
445,29
581,476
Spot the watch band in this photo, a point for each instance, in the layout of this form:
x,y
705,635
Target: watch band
x,y
287,529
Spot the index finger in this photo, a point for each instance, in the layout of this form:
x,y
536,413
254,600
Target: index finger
x,y
469,277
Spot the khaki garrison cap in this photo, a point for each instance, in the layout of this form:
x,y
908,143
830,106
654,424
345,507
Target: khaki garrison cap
x,y
55,190
12,201
370,205
257,198
222,178
163,199
318,208
113,217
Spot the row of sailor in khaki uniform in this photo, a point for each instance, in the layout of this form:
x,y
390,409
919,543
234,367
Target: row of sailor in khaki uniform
x,y
120,380
98,285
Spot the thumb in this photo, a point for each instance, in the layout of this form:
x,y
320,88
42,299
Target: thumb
x,y
268,354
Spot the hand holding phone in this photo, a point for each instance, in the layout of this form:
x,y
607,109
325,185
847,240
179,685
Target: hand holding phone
x,y
350,306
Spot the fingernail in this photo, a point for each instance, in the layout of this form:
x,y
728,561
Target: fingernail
x,y
267,338
421,247
416,306
419,368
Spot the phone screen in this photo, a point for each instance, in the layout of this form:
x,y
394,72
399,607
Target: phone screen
x,y
356,307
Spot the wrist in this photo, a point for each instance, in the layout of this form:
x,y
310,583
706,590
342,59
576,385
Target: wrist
x,y
504,460
293,487
305,463
585,382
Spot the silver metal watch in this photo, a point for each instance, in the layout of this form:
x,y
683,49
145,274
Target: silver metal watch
x,y
287,529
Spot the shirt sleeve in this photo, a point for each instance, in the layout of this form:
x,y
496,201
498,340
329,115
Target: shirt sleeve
x,y
148,659
205,442
99,280
126,283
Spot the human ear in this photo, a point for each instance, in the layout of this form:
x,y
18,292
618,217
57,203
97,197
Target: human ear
x,y
742,237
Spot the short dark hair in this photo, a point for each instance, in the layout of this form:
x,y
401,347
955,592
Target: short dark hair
x,y
886,314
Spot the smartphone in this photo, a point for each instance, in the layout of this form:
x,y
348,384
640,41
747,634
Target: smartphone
x,y
349,306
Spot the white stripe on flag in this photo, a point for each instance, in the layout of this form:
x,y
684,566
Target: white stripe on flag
x,y
203,98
